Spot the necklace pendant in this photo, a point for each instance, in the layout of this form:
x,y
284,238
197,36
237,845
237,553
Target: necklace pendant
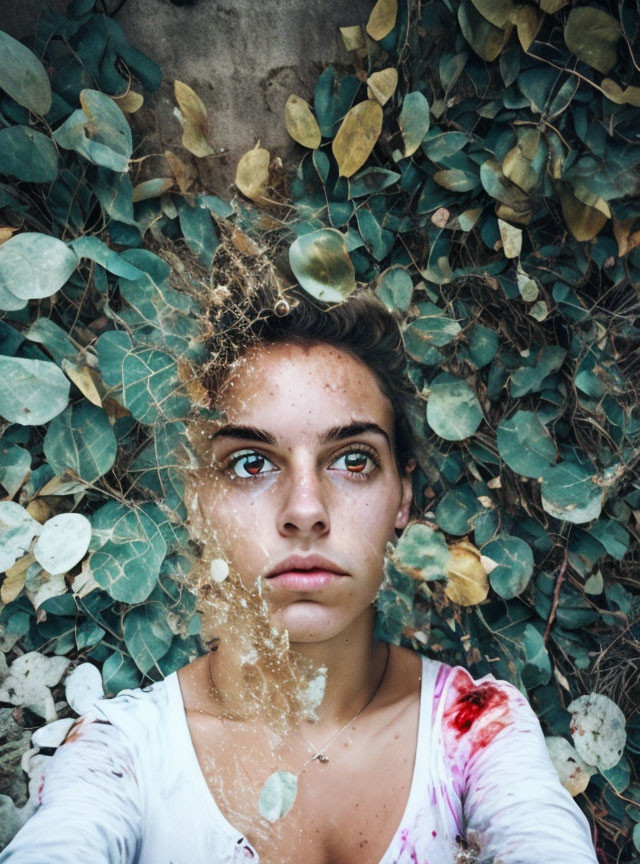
x,y
321,757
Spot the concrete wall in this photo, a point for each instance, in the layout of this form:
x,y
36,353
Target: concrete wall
x,y
243,58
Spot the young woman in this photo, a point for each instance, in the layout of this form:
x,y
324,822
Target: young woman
x,y
303,483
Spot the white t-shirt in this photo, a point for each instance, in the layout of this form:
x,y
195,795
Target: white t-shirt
x,y
129,789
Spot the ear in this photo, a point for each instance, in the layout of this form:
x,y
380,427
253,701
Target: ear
x,y
402,516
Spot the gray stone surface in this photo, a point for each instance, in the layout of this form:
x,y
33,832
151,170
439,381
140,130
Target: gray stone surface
x,y
243,58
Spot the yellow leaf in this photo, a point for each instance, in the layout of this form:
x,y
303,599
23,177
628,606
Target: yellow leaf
x,y
592,36
382,19
510,214
500,13
467,582
14,580
194,118
252,173
626,237
517,163
528,23
552,6
152,188
300,122
584,221
353,38
39,510
382,85
628,96
511,239
86,379
6,233
183,173
357,136
129,102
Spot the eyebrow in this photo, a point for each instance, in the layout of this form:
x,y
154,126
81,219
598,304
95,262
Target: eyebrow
x,y
336,433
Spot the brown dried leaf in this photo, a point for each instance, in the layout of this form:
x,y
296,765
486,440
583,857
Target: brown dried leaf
x,y
440,217
129,102
194,117
357,136
244,244
184,173
382,85
626,237
628,96
86,379
382,19
14,580
353,38
6,232
467,582
301,124
252,173
39,510
528,23
152,188
585,218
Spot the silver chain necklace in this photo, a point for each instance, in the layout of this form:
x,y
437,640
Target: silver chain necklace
x,y
320,754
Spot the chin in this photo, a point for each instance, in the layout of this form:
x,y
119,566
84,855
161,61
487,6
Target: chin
x,y
306,621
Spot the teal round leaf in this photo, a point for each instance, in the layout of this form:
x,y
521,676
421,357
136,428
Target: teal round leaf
x,y
422,553
395,289
370,181
33,265
570,493
96,250
453,410
119,672
525,445
17,530
98,131
515,565
81,440
23,76
32,392
483,344
537,670
147,634
414,121
277,795
15,464
127,565
28,155
431,330
321,264
457,510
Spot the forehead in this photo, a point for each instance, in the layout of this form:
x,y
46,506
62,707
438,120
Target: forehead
x,y
315,385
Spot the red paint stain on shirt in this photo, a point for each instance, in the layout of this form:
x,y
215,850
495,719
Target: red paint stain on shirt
x,y
481,710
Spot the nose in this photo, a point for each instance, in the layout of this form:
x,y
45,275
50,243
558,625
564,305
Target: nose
x,y
304,511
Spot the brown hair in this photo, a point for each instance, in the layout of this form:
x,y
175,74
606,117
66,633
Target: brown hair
x,y
360,325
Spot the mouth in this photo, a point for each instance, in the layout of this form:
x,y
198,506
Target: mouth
x,y
299,573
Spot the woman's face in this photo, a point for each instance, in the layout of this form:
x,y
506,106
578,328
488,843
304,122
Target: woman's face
x,y
305,493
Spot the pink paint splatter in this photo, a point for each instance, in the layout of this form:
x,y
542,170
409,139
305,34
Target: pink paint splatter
x,y
408,846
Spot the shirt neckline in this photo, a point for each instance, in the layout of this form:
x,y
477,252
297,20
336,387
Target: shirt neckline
x,y
429,670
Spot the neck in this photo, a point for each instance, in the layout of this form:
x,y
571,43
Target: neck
x,y
354,663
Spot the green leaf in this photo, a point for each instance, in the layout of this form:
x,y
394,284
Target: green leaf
x,y
147,634
28,155
32,392
497,186
414,121
395,289
483,345
370,181
432,330
199,233
119,672
598,730
613,536
525,445
17,530
277,795
333,96
46,332
23,76
453,410
457,510
98,131
421,553
440,145
592,36
529,379
321,264
146,380
570,493
127,565
15,464
456,179
515,565
620,775
96,250
538,668
81,440
63,542
33,266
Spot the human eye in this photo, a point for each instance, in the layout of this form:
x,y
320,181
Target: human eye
x,y
358,462
245,464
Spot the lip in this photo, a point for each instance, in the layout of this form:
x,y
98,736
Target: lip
x,y
305,573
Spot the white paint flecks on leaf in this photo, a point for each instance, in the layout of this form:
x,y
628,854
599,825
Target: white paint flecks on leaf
x,y
598,730
573,772
83,687
28,682
52,734
17,530
278,795
63,542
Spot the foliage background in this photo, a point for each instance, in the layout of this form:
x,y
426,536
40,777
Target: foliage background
x,y
491,202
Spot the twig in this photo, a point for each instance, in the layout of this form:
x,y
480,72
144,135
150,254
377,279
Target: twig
x,y
556,595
